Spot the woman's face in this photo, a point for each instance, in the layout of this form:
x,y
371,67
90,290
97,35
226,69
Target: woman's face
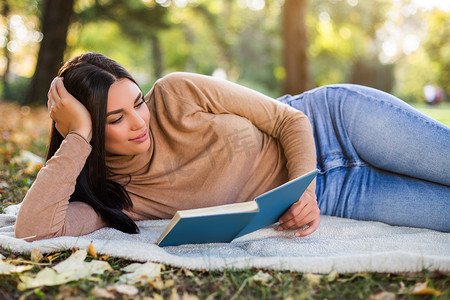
x,y
127,119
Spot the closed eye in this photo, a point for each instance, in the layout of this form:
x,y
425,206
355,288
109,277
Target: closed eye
x,y
116,120
140,103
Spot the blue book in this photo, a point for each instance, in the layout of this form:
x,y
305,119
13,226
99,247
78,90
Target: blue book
x,y
223,223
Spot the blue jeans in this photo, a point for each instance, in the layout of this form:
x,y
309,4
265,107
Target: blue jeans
x,y
379,158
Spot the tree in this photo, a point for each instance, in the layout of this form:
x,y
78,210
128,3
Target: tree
x,y
295,45
140,21
55,23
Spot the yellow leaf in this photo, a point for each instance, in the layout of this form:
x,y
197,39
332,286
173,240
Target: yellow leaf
x,y
261,277
124,289
102,293
159,285
6,268
421,288
71,269
91,251
174,295
140,273
169,283
384,295
332,276
157,296
188,273
312,279
45,277
36,255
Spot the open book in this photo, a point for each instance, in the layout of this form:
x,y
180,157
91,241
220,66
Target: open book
x,y
224,223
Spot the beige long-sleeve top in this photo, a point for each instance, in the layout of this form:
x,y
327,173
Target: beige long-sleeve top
x,y
213,142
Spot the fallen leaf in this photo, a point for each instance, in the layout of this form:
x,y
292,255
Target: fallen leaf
x,y
102,293
36,255
6,268
187,296
188,273
332,276
157,284
140,273
261,277
157,296
421,288
45,277
91,250
125,289
174,295
384,295
312,279
71,269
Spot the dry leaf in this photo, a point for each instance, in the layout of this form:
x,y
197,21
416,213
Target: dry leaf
x,y
91,250
261,277
384,295
6,268
312,279
169,283
188,273
36,255
45,277
187,296
102,293
158,284
174,295
124,289
157,296
332,276
71,269
421,288
141,273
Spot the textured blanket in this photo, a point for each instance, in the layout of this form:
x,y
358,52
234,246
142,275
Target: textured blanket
x,y
340,245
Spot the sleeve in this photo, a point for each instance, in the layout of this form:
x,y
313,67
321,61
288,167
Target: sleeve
x,y
45,211
284,123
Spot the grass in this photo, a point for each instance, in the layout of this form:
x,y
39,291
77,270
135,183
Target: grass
x,y
22,128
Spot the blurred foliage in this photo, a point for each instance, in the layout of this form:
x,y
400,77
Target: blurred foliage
x,y
348,41
437,47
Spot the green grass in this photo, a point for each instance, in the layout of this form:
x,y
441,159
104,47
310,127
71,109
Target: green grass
x,y
440,112
16,177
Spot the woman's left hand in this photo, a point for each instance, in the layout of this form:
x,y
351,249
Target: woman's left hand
x,y
303,212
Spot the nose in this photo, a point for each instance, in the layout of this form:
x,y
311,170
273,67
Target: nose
x,y
136,121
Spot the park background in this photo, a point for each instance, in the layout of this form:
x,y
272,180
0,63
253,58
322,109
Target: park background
x,y
273,46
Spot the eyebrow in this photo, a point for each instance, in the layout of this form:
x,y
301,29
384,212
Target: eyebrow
x,y
121,109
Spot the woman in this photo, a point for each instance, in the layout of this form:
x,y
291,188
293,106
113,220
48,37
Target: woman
x,y
194,141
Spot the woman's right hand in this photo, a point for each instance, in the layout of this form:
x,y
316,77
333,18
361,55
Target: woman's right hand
x,y
67,112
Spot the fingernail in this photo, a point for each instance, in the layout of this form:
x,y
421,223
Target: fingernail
x,y
280,228
297,234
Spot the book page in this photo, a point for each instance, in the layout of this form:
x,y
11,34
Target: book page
x,y
221,209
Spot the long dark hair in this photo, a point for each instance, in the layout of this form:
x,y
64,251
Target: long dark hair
x,y
88,78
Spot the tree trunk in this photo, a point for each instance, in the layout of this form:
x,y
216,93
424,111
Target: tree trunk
x,y
5,77
55,23
295,46
157,56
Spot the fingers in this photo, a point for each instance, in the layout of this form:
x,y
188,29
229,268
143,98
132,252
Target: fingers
x,y
304,212
52,95
301,213
312,227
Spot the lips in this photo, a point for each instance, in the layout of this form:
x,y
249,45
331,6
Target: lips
x,y
140,138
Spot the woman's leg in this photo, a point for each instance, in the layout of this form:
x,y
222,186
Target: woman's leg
x,y
372,148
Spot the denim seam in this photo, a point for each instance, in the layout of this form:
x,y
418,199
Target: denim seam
x,y
399,108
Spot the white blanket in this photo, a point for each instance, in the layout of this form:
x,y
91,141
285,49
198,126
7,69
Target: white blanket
x,y
340,245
